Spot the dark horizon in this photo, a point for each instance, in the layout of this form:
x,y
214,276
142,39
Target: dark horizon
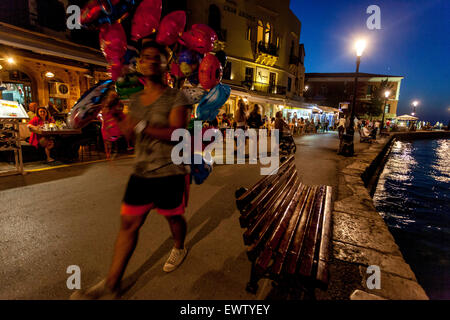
x,y
415,33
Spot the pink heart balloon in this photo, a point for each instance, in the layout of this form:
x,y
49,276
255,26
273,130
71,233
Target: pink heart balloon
x,y
146,19
113,41
171,28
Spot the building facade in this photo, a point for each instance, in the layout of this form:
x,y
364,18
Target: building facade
x,y
336,90
38,62
262,41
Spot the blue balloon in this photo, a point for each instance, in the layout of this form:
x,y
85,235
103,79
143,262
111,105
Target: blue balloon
x,y
115,12
209,105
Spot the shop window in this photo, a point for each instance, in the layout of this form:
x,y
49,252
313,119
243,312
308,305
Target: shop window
x,y
323,90
387,108
16,86
260,31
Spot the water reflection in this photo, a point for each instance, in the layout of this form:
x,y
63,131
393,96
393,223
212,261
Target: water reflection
x,y
413,196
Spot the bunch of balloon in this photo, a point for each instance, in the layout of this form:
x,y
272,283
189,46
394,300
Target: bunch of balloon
x,y
191,64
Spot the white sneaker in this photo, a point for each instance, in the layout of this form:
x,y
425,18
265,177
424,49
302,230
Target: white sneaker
x,y
175,259
98,291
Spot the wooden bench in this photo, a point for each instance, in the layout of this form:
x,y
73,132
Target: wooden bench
x,y
288,230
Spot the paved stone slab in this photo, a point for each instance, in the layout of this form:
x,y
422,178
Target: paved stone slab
x,y
363,232
356,205
396,288
392,263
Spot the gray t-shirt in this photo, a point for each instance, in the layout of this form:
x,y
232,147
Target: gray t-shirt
x,y
153,156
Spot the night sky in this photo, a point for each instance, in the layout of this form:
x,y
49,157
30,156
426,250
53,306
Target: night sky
x,y
413,42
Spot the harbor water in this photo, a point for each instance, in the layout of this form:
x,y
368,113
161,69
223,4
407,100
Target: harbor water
x,y
413,196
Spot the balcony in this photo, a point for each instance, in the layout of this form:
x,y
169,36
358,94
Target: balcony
x,y
266,54
264,87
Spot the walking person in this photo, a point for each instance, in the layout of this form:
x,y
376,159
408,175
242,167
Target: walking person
x,y
241,115
254,120
156,183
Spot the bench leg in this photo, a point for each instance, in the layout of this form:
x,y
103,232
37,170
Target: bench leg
x,y
252,285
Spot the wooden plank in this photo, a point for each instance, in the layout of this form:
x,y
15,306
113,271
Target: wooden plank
x,y
248,196
266,198
294,250
272,244
312,236
325,241
289,234
253,232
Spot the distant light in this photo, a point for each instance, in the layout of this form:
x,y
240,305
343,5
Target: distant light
x,y
10,60
387,93
415,103
1,67
50,74
306,87
413,114
360,45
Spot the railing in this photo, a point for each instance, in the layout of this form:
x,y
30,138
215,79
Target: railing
x,y
268,48
264,87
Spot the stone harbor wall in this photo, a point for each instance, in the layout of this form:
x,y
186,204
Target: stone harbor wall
x,y
361,238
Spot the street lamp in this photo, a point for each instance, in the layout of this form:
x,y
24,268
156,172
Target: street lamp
x,y
346,146
415,103
386,96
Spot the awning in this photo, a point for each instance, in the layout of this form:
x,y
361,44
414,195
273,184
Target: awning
x,y
328,109
16,37
257,98
407,117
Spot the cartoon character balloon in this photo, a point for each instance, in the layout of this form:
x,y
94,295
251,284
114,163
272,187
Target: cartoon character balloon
x,y
209,105
188,61
210,71
89,105
171,28
146,19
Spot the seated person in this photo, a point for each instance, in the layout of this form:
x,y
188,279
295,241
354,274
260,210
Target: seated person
x,y
32,110
365,132
37,140
281,125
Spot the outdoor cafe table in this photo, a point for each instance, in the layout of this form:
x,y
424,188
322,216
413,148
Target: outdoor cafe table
x,y
58,132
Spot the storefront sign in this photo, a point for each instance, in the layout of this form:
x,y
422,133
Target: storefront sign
x,y
262,75
12,110
241,13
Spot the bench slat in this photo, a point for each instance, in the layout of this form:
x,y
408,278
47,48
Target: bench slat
x,y
259,227
289,234
249,195
294,250
325,241
311,241
266,198
272,244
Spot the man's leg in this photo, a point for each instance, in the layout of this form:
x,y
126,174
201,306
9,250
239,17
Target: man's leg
x,y
178,227
124,248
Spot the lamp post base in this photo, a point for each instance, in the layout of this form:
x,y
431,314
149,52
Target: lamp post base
x,y
346,146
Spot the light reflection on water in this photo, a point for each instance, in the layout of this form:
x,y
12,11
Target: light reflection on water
x,y
413,197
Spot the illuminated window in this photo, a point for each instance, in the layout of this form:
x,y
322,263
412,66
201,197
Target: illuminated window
x,y
278,42
387,108
260,31
267,33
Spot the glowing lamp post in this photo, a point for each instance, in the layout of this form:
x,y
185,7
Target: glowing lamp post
x,y
346,146
386,97
415,103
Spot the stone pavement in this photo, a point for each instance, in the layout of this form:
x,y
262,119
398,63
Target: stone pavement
x,y
69,216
